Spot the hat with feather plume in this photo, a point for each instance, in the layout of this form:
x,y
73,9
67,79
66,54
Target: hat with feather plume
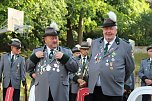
x,y
111,21
52,30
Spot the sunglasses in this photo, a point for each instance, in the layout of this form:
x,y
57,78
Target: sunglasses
x,y
18,48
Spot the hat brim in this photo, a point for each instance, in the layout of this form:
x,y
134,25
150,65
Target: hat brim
x,y
84,47
108,25
14,45
75,51
51,34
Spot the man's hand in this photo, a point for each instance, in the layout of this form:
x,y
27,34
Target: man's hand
x,y
148,81
125,91
39,54
34,75
58,55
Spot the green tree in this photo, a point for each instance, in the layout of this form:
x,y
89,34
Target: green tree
x,y
39,14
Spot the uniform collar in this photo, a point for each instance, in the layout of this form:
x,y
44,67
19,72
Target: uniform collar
x,y
117,40
111,42
83,57
12,54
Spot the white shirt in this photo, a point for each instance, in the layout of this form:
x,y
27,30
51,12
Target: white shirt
x,y
48,50
110,43
12,55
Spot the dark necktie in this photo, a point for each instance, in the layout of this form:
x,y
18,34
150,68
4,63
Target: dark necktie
x,y
106,48
84,61
51,54
12,59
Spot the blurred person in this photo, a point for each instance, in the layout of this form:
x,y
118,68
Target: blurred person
x,y
80,78
145,72
12,67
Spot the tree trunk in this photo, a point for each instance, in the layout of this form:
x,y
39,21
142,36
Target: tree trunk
x,y
70,40
80,28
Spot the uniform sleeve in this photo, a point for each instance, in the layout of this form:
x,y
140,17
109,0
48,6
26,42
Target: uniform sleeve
x,y
141,72
128,83
31,62
1,67
130,65
70,62
23,72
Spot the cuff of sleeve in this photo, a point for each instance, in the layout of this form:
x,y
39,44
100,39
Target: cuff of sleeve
x,y
31,74
64,59
34,59
126,87
143,78
0,80
75,78
23,83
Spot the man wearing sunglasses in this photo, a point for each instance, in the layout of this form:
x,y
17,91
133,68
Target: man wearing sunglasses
x,y
12,69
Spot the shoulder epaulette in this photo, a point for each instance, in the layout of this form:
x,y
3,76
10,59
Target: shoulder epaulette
x,y
37,47
66,47
23,55
125,40
144,59
101,39
3,53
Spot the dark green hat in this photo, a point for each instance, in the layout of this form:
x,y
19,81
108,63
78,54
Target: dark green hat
x,y
49,31
108,23
111,20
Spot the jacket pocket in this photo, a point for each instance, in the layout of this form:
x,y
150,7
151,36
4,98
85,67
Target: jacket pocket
x,y
4,77
36,83
65,83
18,77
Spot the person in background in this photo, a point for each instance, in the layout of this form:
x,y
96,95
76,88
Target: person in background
x,y
12,67
111,63
128,88
80,79
130,83
145,72
76,51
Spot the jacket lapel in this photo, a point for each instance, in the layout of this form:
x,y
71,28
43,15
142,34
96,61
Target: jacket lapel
x,y
9,58
16,59
101,48
113,47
